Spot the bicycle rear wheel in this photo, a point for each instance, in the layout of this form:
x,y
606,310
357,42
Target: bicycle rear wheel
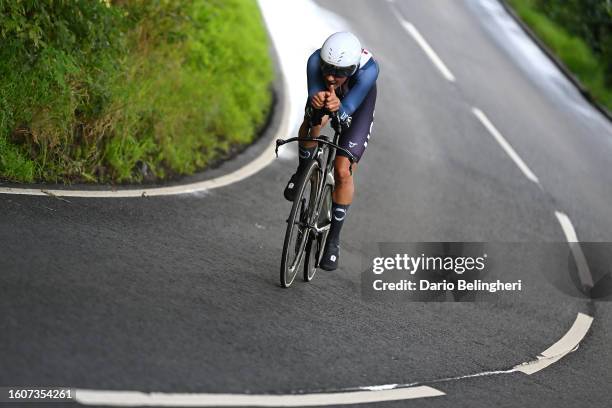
x,y
316,242
300,217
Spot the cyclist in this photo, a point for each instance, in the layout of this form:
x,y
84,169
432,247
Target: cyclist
x,y
341,78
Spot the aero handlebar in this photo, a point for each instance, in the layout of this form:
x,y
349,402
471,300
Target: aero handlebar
x,y
352,159
337,128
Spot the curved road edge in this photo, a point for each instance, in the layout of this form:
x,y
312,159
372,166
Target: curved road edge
x,y
247,163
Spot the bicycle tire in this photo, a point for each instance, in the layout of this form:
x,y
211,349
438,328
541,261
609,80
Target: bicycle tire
x,y
289,267
314,247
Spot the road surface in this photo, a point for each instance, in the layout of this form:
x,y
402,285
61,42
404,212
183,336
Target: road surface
x,y
180,294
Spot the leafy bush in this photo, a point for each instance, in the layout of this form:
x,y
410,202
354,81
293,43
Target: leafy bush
x,y
590,20
97,91
589,66
57,64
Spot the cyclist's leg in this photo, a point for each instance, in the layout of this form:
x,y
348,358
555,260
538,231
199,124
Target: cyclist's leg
x,y
315,130
314,121
311,126
354,139
345,188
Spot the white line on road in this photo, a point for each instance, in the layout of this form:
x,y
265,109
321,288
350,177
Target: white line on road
x,y
566,344
134,398
437,61
505,145
584,273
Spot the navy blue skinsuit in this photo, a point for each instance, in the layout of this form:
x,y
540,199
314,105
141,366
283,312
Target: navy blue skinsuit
x,y
357,101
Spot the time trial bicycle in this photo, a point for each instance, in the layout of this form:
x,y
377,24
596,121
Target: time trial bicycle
x,y
310,217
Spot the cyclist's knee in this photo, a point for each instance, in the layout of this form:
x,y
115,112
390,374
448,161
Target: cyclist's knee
x,y
315,119
315,130
342,172
324,121
304,127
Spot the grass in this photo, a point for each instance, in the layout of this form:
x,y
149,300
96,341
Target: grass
x,y
571,50
181,84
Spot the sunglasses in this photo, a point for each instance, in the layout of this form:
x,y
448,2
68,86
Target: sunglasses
x,y
340,72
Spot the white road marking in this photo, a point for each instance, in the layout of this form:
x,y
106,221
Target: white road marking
x,y
134,398
505,145
566,344
435,59
584,273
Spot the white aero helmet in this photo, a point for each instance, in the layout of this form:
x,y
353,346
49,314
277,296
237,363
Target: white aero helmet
x,y
340,54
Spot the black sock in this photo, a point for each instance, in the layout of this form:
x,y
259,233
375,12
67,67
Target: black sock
x,y
339,212
305,154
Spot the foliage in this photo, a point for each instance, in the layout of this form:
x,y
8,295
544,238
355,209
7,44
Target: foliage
x,y
96,90
57,63
590,20
589,65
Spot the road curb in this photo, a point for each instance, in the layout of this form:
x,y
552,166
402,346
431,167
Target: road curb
x,y
248,161
553,57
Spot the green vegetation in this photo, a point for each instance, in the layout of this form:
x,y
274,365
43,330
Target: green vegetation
x,y
100,90
579,32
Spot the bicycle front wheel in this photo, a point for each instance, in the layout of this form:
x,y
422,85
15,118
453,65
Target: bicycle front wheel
x,y
298,223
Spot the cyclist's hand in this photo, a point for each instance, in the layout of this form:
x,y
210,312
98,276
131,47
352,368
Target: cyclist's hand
x,y
332,102
318,100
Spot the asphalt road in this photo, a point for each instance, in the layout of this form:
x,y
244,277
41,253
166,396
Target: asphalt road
x,y
180,293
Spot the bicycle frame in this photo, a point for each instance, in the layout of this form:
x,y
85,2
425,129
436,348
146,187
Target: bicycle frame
x,y
328,169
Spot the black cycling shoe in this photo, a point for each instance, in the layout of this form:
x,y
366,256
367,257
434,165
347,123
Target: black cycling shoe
x,y
291,188
329,262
